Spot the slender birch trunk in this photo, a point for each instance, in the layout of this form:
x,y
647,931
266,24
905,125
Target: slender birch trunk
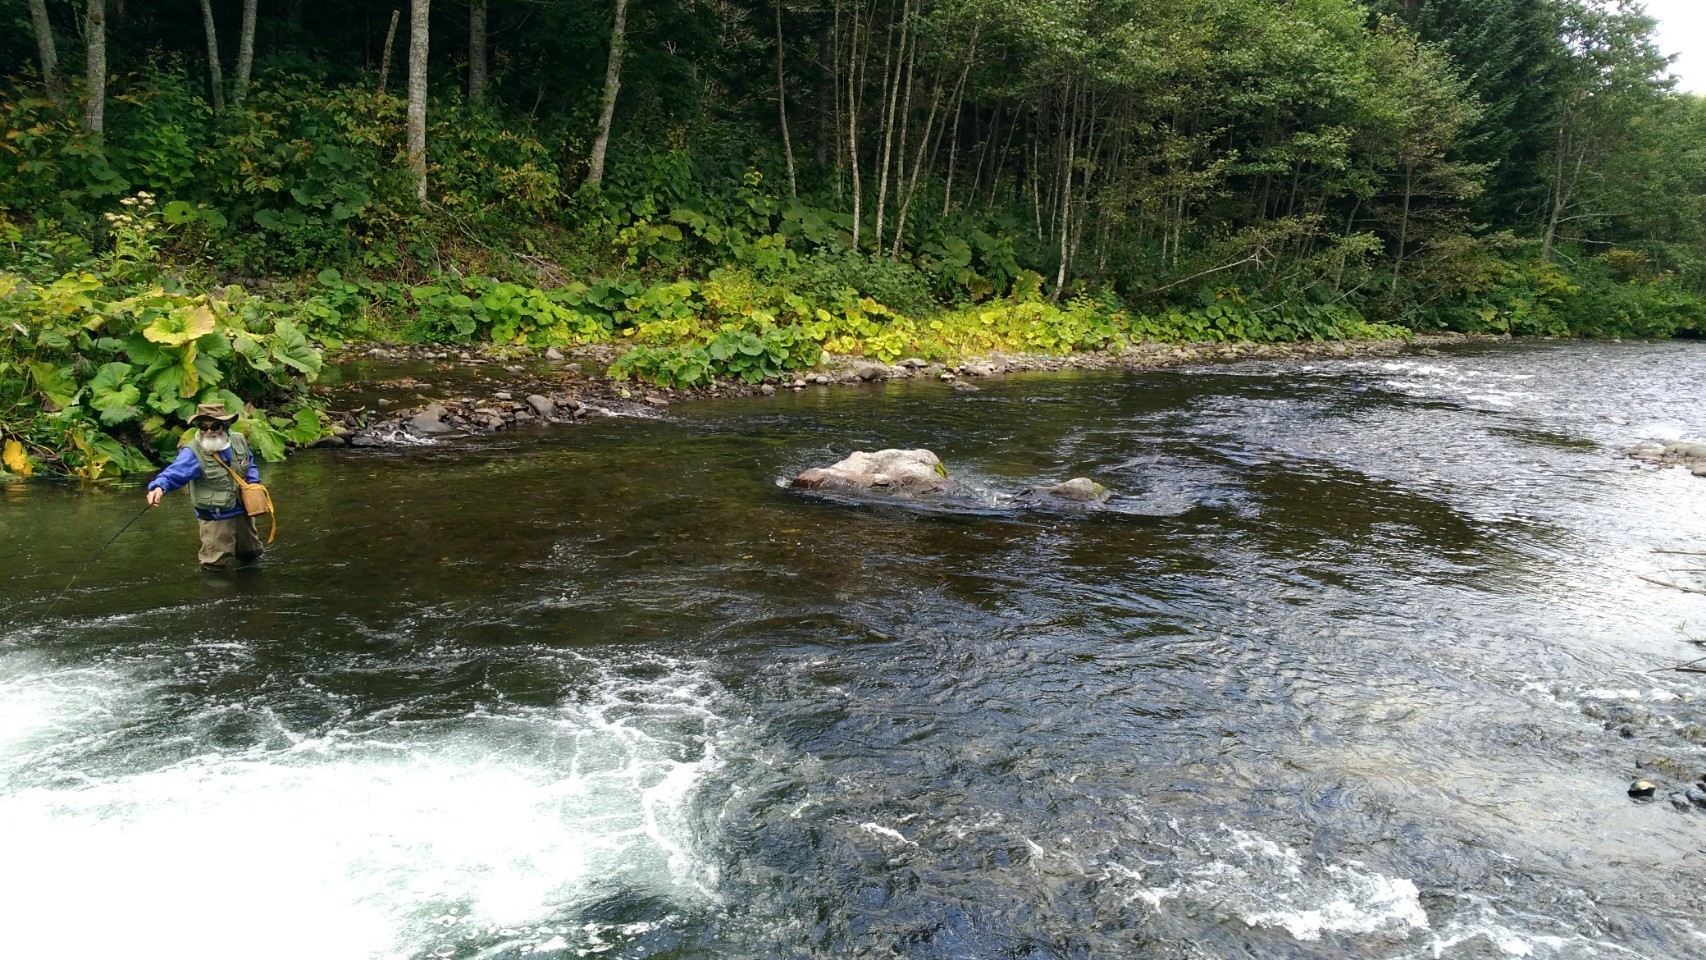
x,y
245,53
1403,226
95,110
612,83
216,81
954,138
924,146
385,58
853,122
46,51
893,90
782,107
1065,212
476,50
418,11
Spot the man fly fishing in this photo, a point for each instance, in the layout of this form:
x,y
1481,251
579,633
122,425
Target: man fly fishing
x,y
210,465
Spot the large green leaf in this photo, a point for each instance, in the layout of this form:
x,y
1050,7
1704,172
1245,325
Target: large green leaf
x,y
180,326
54,382
114,395
266,440
289,346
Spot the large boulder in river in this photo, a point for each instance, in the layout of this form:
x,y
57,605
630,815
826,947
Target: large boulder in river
x,y
910,472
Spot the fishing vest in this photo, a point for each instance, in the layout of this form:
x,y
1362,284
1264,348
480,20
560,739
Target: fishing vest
x,y
216,492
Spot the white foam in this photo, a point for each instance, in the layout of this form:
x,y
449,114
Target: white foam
x,y
1351,902
392,843
41,705
888,833
1268,884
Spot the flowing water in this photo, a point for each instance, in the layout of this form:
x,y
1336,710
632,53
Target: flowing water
x,y
1361,666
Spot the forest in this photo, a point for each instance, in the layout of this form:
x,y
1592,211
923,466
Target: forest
x,y
198,198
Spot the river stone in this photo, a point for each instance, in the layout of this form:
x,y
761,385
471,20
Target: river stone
x,y
430,421
768,390
1689,451
552,353
1643,789
541,405
332,441
1078,490
1696,796
871,371
891,471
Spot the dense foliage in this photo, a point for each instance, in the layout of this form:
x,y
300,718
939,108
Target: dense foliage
x,y
99,370
929,177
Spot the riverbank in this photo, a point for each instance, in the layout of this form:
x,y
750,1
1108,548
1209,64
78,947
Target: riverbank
x,y
401,393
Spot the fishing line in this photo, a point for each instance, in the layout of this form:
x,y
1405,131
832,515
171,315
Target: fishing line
x,y
96,556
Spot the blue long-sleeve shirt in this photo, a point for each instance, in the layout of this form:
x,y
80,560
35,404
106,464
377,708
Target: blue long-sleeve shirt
x,y
188,467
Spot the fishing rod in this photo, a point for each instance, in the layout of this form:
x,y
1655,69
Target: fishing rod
x,y
97,555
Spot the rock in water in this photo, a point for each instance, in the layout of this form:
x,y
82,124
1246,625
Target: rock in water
x,y
1643,789
430,421
886,471
1076,490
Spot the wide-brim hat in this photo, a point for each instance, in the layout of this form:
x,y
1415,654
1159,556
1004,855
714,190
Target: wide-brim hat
x,y
213,411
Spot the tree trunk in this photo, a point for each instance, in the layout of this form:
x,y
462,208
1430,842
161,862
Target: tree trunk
x,y
612,83
418,10
782,107
1071,129
45,49
95,111
893,92
245,53
215,80
476,51
385,58
1403,226
853,122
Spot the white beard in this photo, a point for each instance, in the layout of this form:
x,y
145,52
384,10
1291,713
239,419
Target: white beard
x,y
213,444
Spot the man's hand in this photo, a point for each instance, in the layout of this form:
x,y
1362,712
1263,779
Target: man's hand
x,y
154,495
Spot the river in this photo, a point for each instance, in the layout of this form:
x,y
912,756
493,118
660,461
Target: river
x,y
1361,666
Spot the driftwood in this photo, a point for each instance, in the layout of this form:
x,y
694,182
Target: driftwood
x,y
1673,586
1692,666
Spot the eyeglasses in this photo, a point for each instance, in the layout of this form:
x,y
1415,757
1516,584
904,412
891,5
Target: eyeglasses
x,y
210,427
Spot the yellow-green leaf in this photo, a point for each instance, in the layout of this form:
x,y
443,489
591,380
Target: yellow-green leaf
x,y
16,459
181,326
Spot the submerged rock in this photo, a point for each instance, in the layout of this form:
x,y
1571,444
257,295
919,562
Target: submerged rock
x,y
910,472
1076,490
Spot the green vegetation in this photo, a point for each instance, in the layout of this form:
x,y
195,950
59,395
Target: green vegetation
x,y
749,185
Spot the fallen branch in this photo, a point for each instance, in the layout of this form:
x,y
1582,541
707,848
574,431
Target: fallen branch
x,y
1673,586
1688,667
